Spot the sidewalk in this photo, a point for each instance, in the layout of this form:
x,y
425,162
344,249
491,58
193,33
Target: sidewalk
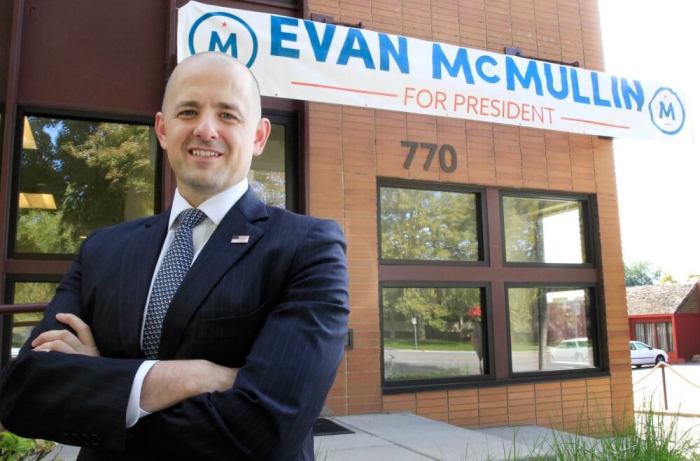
x,y
407,437
682,391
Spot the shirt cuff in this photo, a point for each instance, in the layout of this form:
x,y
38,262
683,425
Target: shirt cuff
x,y
133,409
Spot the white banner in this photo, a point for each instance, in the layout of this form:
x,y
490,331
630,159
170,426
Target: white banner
x,y
299,59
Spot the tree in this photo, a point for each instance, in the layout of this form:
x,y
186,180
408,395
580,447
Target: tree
x,y
428,225
641,273
433,308
98,174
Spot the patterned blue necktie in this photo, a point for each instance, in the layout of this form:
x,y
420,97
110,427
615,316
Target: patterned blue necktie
x,y
171,273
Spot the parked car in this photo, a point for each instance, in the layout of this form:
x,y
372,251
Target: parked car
x,y
644,354
574,351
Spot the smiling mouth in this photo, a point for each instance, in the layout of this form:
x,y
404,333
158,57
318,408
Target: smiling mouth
x,y
204,153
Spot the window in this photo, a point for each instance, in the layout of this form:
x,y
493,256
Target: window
x,y
267,172
273,175
659,335
550,328
28,292
643,333
75,176
430,225
664,333
534,286
432,333
544,230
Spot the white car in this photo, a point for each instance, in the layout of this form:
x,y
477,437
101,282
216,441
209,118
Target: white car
x,y
644,354
573,352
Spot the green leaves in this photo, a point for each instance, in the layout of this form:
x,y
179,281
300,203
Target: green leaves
x,y
15,448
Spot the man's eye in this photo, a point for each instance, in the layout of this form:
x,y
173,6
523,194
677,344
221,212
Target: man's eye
x,y
228,116
187,113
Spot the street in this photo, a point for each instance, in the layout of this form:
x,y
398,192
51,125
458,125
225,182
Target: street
x,y
415,364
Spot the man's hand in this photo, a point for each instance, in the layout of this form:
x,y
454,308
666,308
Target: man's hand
x,y
171,381
65,341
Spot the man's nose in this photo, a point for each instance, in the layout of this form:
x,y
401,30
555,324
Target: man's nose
x,y
206,128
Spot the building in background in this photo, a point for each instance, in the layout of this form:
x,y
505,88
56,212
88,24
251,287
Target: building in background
x,y
486,278
666,317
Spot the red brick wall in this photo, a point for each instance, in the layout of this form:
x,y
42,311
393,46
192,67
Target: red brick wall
x,y
349,147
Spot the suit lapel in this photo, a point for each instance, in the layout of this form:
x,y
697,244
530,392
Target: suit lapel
x,y
138,263
217,257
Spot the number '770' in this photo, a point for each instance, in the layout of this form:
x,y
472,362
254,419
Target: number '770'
x,y
446,154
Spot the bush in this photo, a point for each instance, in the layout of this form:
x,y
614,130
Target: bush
x,y
15,448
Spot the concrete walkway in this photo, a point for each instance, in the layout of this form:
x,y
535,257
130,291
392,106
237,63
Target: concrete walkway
x,y
682,406
407,437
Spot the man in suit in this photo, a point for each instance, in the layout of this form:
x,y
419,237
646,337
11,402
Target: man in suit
x,y
246,347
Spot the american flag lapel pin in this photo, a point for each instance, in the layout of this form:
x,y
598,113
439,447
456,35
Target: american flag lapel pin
x,y
240,238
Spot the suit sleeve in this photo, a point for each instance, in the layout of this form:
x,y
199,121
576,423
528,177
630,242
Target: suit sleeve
x,y
69,398
279,392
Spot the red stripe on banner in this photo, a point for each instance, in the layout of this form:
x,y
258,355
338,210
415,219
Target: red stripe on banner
x,y
340,88
593,122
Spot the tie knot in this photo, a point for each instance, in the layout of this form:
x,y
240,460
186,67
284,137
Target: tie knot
x,y
191,217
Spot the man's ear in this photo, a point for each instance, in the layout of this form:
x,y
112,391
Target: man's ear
x,y
160,130
262,132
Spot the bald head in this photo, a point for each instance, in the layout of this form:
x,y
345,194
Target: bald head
x,y
212,62
210,126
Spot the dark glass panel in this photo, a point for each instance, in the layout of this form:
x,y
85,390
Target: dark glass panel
x,y
28,293
267,174
550,329
432,333
76,176
544,230
429,225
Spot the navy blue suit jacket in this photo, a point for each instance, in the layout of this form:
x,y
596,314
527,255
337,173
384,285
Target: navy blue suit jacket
x,y
275,307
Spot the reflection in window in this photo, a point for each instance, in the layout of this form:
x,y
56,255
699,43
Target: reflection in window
x,y
550,329
432,333
76,176
544,230
267,173
28,293
429,225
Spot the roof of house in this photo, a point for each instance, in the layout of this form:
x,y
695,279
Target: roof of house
x,y
669,298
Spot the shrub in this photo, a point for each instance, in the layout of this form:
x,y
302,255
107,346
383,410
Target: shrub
x,y
15,448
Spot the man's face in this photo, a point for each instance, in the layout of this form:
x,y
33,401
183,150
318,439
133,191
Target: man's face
x,y
210,126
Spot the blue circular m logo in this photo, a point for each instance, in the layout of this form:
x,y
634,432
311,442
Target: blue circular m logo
x,y
667,111
226,33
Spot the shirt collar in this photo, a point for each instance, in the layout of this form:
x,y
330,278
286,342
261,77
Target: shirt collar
x,y
214,207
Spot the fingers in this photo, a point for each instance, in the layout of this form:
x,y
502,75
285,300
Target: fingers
x,y
56,346
81,328
65,341
52,336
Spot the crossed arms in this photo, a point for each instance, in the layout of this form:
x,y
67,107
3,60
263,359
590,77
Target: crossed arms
x,y
167,382
263,410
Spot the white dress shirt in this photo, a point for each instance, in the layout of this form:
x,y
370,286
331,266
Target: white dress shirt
x,y
215,208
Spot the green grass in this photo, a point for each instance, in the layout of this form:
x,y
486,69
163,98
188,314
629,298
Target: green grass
x,y
428,345
654,438
442,345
